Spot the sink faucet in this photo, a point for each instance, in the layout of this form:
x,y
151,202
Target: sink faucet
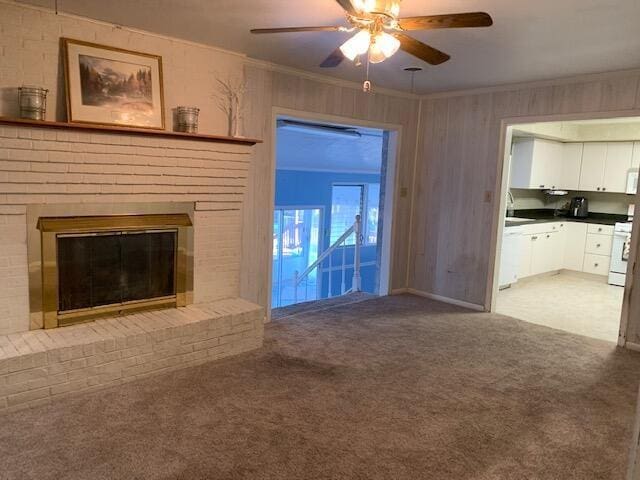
x,y
511,204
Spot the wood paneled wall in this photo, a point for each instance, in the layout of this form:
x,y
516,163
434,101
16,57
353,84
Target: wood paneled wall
x,y
269,89
459,174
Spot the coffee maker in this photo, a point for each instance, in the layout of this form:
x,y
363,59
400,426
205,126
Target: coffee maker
x,y
579,207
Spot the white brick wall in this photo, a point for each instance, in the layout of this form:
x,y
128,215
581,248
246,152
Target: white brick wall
x,y
47,166
30,55
38,366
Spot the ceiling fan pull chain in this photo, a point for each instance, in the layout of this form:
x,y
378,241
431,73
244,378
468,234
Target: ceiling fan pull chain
x,y
366,86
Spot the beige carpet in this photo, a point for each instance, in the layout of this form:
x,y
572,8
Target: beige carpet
x,y
393,388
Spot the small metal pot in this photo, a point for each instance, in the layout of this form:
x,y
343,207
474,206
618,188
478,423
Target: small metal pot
x,y
33,102
187,119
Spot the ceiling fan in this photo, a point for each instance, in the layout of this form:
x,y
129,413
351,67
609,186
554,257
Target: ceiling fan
x,y
379,31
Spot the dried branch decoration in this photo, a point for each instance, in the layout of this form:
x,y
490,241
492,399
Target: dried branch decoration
x,y
229,96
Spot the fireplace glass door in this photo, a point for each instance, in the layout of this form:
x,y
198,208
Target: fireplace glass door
x,y
115,268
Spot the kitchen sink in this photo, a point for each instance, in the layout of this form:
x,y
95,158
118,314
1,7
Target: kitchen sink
x,y
519,220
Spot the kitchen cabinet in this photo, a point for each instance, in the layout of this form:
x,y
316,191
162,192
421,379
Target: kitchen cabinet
x,y
605,166
617,166
598,244
544,255
635,158
594,157
574,246
570,166
535,163
577,246
596,264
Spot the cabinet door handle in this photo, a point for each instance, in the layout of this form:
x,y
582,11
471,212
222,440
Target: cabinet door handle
x,y
604,189
598,188
596,264
548,236
598,245
534,238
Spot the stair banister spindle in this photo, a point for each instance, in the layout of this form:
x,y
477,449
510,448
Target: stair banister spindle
x,y
356,285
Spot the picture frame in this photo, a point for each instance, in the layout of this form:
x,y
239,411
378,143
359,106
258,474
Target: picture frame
x,y
112,86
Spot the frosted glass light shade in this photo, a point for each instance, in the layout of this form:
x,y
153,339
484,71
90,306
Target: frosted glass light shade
x,y
382,47
356,45
387,43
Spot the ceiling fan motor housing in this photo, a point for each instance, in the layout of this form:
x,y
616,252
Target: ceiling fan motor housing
x,y
388,8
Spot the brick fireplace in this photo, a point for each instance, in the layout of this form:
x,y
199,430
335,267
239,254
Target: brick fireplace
x,y
139,236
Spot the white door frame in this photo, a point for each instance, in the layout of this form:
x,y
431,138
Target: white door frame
x,y
502,179
391,182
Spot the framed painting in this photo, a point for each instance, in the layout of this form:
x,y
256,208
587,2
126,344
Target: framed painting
x,y
112,86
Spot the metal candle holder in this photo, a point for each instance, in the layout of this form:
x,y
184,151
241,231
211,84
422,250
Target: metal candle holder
x,y
187,119
33,102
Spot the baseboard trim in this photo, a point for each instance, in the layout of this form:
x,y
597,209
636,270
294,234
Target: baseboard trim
x,y
632,346
399,291
451,301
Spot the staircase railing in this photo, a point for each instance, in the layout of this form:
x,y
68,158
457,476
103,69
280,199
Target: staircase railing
x,y
356,281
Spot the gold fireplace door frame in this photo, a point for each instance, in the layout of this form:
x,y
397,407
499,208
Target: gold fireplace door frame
x,y
51,227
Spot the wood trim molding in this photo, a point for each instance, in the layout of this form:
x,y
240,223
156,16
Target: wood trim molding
x,y
552,82
21,122
450,301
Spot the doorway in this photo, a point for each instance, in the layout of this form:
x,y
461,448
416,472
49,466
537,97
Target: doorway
x,y
566,224
333,210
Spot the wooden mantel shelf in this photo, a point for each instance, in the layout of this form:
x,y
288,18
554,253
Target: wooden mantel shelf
x,y
87,127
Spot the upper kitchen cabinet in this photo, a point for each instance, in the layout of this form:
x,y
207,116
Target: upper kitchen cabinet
x,y
535,163
570,166
635,160
594,157
605,166
617,166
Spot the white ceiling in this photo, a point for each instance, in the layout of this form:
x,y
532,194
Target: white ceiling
x,y
306,150
530,40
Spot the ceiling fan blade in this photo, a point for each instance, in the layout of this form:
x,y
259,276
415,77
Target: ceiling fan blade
x,y
421,50
348,6
455,20
333,60
295,29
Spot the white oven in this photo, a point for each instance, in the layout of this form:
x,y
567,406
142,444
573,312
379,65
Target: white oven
x,y
632,182
620,254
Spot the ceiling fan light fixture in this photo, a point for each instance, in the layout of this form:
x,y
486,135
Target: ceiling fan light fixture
x,y
356,45
391,8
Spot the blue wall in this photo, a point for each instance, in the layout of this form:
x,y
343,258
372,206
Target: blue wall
x,y
313,189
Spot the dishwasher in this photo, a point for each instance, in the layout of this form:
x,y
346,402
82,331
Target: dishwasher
x,y
510,256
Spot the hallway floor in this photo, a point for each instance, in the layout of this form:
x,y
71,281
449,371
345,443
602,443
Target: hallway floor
x,y
396,387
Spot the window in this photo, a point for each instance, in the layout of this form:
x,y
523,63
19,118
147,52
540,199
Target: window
x,y
347,201
370,222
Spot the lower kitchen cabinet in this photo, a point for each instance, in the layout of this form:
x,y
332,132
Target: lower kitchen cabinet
x,y
597,264
575,244
554,246
540,253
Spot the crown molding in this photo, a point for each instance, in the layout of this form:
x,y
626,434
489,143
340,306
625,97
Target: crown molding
x,y
588,77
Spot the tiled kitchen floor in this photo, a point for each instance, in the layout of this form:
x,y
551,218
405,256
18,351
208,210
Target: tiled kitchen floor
x,y
571,302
